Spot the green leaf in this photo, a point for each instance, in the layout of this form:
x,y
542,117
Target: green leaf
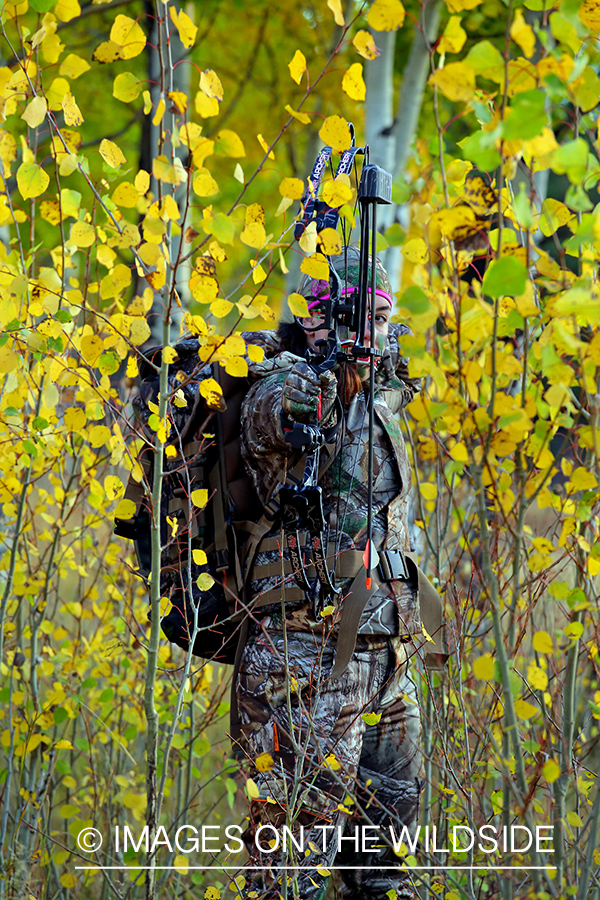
x,y
42,6
505,276
479,149
486,60
415,300
571,159
577,199
526,117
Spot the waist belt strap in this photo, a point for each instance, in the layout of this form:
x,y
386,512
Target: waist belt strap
x,y
392,567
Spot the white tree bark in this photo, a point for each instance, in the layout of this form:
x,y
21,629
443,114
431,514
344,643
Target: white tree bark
x,y
390,136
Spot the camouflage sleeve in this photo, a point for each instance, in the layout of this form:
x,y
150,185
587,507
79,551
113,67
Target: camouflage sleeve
x,y
403,387
261,423
264,451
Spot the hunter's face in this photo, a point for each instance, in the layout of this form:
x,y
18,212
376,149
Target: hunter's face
x,y
383,312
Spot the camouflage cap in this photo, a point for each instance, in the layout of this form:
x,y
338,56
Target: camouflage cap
x,y
347,264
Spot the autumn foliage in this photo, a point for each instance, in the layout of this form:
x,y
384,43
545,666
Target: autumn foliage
x,y
152,159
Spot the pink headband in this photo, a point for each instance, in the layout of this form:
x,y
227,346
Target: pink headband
x,y
312,304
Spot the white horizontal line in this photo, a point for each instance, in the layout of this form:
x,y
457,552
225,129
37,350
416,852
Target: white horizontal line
x,y
329,868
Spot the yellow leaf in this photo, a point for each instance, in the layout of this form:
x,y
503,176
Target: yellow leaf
x,y
353,83
98,435
298,306
199,557
416,251
139,331
74,418
542,642
82,234
302,117
525,710
128,35
264,762
256,354
236,366
365,45
73,66
107,52
65,10
35,112
335,133
220,308
92,348
551,770
457,171
209,387
63,745
160,111
142,182
523,34
574,819
127,87
252,789
204,184
589,13
537,678
126,194
169,354
484,667
554,215
292,188
329,242
456,81
181,862
371,718
583,480
453,38
297,66
459,452
336,7
206,106
199,497
234,345
386,15
111,154
184,25
459,5
210,84
179,99
71,111
114,487
31,180
265,146
254,235
337,192
573,630
229,143
316,266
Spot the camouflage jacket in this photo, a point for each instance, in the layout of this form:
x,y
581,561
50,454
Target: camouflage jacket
x,y
344,483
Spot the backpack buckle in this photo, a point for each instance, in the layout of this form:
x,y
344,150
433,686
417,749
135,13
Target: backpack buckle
x,y
221,560
392,566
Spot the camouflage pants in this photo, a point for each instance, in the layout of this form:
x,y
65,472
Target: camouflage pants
x,y
328,758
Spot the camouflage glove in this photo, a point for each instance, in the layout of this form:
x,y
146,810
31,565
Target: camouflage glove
x,y
302,390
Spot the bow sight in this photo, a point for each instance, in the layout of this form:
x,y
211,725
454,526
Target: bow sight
x,y
302,505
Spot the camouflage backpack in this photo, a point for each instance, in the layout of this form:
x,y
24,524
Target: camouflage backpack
x,y
221,535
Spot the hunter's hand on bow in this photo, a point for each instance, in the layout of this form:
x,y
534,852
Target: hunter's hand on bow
x,y
309,397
